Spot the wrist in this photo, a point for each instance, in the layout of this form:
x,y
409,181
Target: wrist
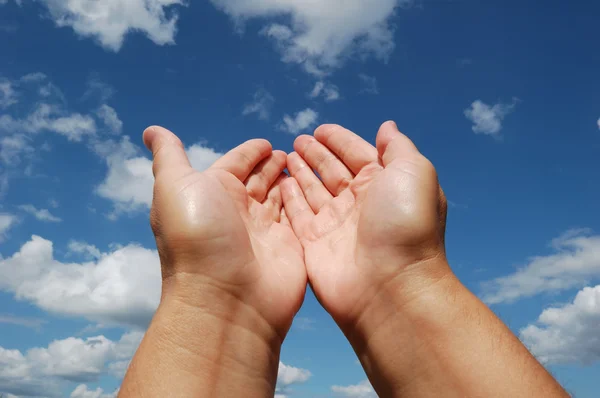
x,y
394,333
221,342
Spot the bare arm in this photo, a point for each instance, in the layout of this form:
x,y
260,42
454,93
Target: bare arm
x,y
233,275
444,342
373,227
215,347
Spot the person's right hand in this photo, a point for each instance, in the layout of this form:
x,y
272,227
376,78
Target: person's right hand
x,y
373,224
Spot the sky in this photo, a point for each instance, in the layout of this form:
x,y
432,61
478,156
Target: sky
x,y
502,96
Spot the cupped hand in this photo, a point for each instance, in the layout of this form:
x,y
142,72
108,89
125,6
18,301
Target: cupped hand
x,y
223,233
371,222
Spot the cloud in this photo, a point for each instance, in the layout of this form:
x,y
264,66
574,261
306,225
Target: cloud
x,y
122,287
575,261
488,119
8,96
360,390
598,122
567,334
33,323
304,323
329,91
110,21
40,214
261,105
369,84
321,35
7,221
43,371
85,249
82,391
129,181
49,117
43,109
288,376
110,119
300,122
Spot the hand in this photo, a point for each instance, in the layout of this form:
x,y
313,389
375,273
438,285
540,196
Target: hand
x,y
222,235
374,222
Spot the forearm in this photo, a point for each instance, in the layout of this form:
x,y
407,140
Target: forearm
x,y
443,341
205,347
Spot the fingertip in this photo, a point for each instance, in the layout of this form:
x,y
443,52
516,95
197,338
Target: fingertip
x,y
156,136
301,142
149,136
325,130
387,133
281,156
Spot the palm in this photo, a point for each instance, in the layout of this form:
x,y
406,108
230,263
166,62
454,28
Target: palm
x,y
226,225
347,224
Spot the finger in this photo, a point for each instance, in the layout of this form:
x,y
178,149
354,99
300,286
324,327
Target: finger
x,y
392,144
265,174
283,218
354,151
273,200
315,192
167,151
334,174
242,160
296,207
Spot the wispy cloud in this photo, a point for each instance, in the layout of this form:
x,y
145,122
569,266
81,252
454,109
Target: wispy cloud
x,y
573,264
32,323
360,390
261,104
7,221
39,214
369,84
328,91
487,119
300,122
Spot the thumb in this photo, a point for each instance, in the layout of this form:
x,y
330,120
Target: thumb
x,y
167,150
392,144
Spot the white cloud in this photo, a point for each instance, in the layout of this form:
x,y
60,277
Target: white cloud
x,y
43,371
33,323
321,35
261,105
568,333
369,84
49,117
7,221
110,21
129,181
82,391
488,119
8,96
575,261
288,376
87,250
300,122
304,323
111,120
360,390
598,123
40,214
329,91
122,287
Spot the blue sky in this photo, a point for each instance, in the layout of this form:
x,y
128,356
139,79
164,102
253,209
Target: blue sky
x,y
503,97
